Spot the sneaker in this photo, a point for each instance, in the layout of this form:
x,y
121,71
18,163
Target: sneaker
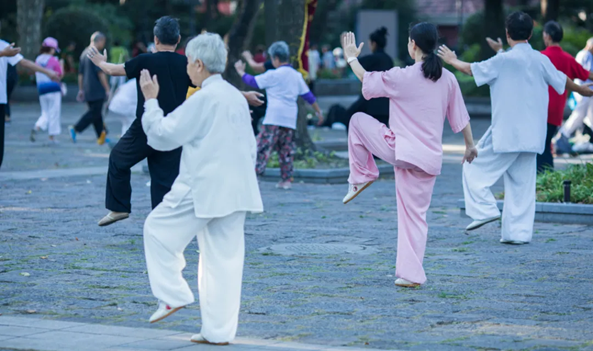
x,y
113,217
199,339
32,135
286,185
102,138
513,242
72,133
477,224
163,311
354,190
405,283
563,145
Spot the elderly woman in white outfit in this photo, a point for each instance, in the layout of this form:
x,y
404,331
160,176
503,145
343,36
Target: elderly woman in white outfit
x,y
215,189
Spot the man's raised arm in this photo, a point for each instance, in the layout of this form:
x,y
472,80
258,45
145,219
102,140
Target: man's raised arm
x,y
101,62
451,58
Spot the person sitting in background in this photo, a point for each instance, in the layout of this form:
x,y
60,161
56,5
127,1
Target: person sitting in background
x,y
583,112
377,61
283,86
50,92
566,64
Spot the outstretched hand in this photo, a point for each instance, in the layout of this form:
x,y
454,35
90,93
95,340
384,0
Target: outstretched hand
x,y
10,51
96,56
149,86
254,98
447,54
495,45
240,67
470,154
349,45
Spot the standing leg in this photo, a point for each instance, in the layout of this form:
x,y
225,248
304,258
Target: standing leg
x,y
220,275
97,111
480,175
575,121
85,120
518,214
128,151
368,137
2,111
42,121
266,141
164,169
545,161
167,232
414,191
286,151
55,117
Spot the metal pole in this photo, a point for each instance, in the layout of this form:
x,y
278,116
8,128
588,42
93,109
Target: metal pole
x,y
566,184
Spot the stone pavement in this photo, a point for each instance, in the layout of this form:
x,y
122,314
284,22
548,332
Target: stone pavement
x,y
56,264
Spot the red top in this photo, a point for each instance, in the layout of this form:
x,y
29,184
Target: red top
x,y
569,66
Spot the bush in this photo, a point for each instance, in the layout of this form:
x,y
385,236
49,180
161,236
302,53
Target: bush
x,y
550,186
75,24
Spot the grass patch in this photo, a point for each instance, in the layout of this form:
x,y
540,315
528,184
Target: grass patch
x,y
311,160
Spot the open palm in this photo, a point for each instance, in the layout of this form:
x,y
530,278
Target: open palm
x,y
349,45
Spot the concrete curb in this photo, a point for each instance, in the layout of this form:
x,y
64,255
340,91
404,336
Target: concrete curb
x,y
554,212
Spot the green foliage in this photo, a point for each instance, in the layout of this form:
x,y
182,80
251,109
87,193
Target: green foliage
x,y
309,160
551,189
75,24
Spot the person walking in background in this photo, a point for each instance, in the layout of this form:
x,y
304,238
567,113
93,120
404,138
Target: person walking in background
x,y
94,90
566,64
283,86
314,63
519,80
413,141
377,61
118,55
327,57
50,92
584,109
208,201
10,55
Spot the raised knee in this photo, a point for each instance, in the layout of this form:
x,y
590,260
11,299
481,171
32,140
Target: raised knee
x,y
357,118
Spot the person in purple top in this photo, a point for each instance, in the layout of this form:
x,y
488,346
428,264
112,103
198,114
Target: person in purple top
x,y
283,86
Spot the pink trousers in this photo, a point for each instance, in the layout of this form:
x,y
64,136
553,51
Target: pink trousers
x,y
368,137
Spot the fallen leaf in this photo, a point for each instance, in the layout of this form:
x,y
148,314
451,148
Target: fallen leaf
x,y
54,245
76,239
25,274
43,257
31,311
120,309
29,192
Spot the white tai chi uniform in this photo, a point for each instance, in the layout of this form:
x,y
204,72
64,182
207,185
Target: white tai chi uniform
x,y
518,80
583,112
124,104
209,199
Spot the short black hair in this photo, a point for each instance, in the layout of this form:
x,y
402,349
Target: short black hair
x,y
519,25
166,29
554,30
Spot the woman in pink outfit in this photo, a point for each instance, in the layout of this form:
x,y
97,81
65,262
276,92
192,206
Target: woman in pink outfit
x,y
420,97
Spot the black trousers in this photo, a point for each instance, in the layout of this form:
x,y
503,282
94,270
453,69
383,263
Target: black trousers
x,y
93,116
2,112
546,160
12,79
131,149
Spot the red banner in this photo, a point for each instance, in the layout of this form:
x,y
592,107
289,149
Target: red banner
x,y
310,6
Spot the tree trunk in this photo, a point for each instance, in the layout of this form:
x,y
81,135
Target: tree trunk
x,y
493,25
271,17
29,15
290,21
239,38
550,9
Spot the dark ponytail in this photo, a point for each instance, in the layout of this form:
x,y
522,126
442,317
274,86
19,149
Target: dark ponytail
x,y
426,37
379,37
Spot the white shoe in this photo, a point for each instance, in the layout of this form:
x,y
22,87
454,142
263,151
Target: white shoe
x,y
163,311
405,283
478,223
199,339
286,185
513,242
354,190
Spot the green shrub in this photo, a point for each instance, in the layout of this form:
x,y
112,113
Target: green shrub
x,y
550,186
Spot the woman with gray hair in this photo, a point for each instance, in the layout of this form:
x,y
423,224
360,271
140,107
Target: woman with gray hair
x,y
215,189
283,87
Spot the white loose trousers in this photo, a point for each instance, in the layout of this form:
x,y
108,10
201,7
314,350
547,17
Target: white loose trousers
x,y
583,113
167,232
519,172
51,112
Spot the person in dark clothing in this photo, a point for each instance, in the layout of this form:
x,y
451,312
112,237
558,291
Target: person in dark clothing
x,y
258,112
12,79
94,90
377,61
163,166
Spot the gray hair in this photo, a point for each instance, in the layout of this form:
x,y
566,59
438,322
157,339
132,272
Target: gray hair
x,y
279,50
97,36
210,49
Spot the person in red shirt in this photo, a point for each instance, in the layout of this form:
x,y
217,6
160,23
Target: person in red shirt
x,y
565,63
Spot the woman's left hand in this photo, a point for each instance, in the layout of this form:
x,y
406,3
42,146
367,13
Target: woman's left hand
x,y
149,86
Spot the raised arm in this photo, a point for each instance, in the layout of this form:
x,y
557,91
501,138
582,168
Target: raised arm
x,y
351,52
580,89
451,58
257,67
101,62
